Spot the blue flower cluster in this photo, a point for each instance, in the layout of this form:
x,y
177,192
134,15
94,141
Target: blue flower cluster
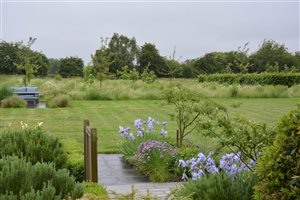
x,y
199,166
124,132
140,130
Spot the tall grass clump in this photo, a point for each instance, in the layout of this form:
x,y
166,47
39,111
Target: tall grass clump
x,y
128,89
5,92
59,101
13,102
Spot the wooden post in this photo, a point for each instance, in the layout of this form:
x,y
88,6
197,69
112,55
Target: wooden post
x,y
90,153
86,123
177,138
94,160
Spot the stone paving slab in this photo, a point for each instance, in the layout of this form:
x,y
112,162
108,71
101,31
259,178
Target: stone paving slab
x,y
112,170
119,177
159,190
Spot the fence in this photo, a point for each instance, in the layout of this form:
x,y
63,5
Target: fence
x,y
90,153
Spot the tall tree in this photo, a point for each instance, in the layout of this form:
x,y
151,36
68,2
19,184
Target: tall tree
x,y
149,57
70,66
53,66
101,59
122,51
9,57
214,62
270,53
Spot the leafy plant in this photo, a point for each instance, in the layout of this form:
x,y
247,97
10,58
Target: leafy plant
x,y
278,167
75,160
240,136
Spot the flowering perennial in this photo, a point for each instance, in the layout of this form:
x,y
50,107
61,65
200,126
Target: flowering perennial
x,y
199,166
140,130
145,148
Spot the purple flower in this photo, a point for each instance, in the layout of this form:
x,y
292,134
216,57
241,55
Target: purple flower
x,y
181,163
139,133
201,156
138,123
163,132
150,126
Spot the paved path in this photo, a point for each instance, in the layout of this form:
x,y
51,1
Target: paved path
x,y
119,177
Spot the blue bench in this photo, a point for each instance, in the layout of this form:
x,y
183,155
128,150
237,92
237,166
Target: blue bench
x,y
29,94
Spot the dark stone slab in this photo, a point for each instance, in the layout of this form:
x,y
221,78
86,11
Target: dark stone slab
x,y
113,170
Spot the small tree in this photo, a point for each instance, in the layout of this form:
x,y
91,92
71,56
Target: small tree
x,y
148,76
87,71
27,64
242,137
189,112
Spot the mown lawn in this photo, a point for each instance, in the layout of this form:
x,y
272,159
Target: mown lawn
x,y
106,116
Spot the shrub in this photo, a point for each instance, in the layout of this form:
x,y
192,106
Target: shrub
x,y
58,77
5,92
13,102
24,180
278,167
148,76
75,163
34,145
59,101
287,79
219,187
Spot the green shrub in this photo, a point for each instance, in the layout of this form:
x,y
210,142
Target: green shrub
x,y
24,180
219,187
58,77
75,163
148,76
13,102
5,92
34,145
278,167
287,79
59,101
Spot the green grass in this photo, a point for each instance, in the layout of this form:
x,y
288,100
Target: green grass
x,y
106,116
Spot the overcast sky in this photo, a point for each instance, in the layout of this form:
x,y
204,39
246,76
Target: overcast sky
x,y
195,27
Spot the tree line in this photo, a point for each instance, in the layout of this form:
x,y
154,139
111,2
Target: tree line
x,y
120,54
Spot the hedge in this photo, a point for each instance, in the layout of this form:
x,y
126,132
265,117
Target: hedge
x,y
287,79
